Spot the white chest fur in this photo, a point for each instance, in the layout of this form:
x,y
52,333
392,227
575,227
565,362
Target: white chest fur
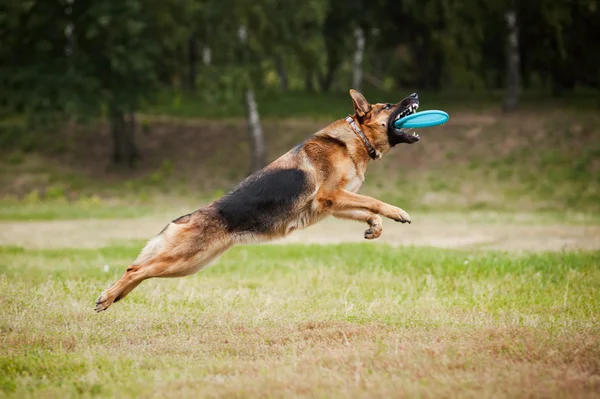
x,y
354,183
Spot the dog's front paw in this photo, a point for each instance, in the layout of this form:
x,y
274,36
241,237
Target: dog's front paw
x,y
400,215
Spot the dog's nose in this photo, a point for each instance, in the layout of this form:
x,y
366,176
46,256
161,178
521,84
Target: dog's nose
x,y
415,96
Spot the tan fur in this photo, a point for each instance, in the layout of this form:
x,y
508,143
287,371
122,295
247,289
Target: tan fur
x,y
334,173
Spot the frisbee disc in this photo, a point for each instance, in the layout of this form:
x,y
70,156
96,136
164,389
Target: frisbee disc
x,y
422,119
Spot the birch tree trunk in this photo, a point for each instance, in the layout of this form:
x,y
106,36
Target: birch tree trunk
x,y
511,100
192,58
69,29
257,140
255,132
206,55
357,69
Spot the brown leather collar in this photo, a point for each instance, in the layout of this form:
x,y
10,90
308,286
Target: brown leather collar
x,y
361,135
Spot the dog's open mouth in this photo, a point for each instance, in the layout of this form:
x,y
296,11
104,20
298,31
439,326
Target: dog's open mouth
x,y
404,108
411,109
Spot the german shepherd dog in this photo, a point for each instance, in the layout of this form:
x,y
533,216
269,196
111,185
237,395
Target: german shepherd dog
x,y
316,179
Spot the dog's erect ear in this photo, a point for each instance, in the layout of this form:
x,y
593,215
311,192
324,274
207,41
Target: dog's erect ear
x,y
361,105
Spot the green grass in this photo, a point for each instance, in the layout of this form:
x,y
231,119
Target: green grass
x,y
304,321
62,209
12,210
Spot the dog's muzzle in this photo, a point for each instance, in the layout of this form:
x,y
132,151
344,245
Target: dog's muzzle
x,y
404,108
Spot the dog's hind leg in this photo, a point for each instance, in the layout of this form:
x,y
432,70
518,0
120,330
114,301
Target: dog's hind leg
x,y
374,221
182,248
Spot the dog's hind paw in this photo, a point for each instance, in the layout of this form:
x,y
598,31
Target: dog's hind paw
x,y
102,303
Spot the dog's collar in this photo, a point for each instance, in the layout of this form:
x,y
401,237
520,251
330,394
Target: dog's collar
x,y
363,138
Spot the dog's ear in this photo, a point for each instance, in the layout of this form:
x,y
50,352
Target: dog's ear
x,y
361,105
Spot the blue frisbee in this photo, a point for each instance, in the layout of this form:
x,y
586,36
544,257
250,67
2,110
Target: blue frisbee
x,y
422,119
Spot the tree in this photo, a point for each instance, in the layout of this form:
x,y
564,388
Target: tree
x,y
61,60
37,78
111,56
512,93
244,36
336,28
359,52
255,132
118,44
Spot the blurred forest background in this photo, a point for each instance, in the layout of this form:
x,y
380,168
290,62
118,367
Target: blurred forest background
x,y
123,102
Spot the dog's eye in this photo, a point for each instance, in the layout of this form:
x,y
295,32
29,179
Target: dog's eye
x,y
388,106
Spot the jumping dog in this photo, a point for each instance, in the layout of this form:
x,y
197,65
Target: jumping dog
x,y
316,179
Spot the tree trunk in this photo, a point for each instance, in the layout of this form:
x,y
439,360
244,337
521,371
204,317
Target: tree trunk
x,y
206,55
380,61
193,56
333,63
359,51
69,29
125,151
283,78
326,80
511,100
255,133
308,82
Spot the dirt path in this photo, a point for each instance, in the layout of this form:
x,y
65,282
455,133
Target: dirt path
x,y
425,231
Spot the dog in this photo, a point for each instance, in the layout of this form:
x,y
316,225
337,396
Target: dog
x,y
316,179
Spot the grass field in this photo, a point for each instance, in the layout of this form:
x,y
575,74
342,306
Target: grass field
x,y
305,321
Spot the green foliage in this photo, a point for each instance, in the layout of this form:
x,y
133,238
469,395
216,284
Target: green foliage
x,y
63,61
117,52
559,42
116,43
69,60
